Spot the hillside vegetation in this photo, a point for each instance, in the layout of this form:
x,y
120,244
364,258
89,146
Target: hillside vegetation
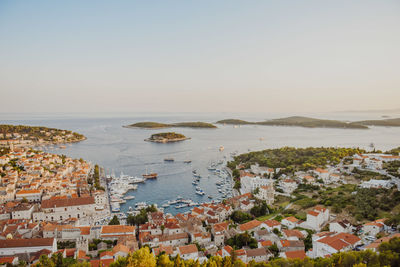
x,y
35,133
154,125
291,159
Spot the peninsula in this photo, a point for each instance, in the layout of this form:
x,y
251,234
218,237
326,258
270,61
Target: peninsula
x,y
23,135
299,121
157,125
167,137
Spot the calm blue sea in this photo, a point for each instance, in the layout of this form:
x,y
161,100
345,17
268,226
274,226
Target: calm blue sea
x,y
124,150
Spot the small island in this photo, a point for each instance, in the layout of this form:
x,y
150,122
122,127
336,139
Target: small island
x,y
167,137
157,125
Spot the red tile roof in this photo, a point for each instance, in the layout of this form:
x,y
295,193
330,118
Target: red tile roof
x,y
192,248
78,201
249,225
298,254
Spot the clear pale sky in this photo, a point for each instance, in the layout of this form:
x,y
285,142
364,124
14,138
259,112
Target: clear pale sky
x,y
254,56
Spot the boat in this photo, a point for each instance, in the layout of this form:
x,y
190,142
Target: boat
x,y
129,197
169,159
210,197
166,205
152,175
187,161
200,192
136,180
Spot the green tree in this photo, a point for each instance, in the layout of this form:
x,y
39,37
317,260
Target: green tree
x,y
114,221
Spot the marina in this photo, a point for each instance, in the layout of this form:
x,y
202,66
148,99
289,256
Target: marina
x,y
120,188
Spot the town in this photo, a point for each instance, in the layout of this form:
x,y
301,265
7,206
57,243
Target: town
x,y
55,205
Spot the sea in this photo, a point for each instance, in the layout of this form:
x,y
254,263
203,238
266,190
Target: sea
x,y
120,149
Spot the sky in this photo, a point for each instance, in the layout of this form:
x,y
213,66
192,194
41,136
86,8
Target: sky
x,y
199,56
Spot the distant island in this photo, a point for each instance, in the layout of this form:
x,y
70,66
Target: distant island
x,y
299,121
385,122
166,137
157,125
23,135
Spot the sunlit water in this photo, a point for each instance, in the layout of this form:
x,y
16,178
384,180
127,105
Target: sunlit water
x,y
121,149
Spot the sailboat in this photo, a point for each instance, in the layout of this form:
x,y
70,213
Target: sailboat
x,y
152,175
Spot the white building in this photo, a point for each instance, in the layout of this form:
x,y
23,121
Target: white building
x,y
316,218
377,184
373,228
341,227
30,195
266,193
288,185
188,252
332,243
290,222
249,184
61,209
22,211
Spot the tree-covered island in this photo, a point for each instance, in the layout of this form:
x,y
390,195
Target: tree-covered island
x,y
167,137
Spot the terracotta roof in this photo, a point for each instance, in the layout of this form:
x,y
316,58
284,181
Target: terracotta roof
x,y
291,219
297,254
192,248
266,243
85,230
105,253
51,203
228,249
120,248
249,225
4,260
313,213
32,242
293,232
240,252
167,249
272,223
114,229
340,241
256,252
23,192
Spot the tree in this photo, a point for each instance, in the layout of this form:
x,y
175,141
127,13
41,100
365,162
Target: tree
x,y
24,200
114,221
142,258
44,261
260,210
163,260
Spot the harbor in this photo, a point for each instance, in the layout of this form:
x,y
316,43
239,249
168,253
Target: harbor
x,y
122,189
